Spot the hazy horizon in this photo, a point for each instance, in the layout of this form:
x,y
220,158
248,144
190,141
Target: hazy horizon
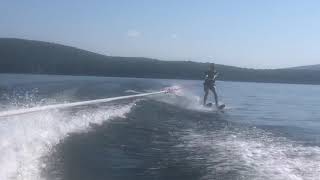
x,y
247,34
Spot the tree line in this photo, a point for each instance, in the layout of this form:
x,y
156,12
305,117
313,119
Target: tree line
x,y
36,57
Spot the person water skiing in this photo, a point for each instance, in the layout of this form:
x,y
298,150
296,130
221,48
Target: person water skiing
x,y
209,84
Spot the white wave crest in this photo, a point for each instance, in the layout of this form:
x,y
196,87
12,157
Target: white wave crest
x,y
26,138
253,154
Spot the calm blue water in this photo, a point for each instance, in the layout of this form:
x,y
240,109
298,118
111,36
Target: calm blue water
x,y
267,131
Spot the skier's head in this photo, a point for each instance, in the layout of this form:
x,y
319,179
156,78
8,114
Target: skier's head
x,y
212,66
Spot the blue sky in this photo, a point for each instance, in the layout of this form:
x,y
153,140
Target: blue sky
x,y
246,33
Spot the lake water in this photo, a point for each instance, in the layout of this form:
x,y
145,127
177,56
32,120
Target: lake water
x,y
267,131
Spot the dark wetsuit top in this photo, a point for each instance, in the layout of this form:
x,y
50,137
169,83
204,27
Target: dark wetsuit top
x,y
210,79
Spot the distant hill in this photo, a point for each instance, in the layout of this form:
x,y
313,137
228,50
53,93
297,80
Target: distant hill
x,y
310,67
26,56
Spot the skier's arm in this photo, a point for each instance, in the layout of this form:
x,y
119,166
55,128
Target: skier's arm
x,y
216,74
206,75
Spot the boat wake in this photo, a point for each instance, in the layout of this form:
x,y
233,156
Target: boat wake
x,y
26,138
251,154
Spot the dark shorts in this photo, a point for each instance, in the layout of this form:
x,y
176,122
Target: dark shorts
x,y
207,86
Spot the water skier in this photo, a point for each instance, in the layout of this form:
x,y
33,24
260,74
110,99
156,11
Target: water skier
x,y
209,84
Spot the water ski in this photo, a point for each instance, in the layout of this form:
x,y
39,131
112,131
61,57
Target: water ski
x,y
221,106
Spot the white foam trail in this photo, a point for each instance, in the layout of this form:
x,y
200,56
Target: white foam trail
x,y
66,105
133,91
254,154
26,138
185,99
